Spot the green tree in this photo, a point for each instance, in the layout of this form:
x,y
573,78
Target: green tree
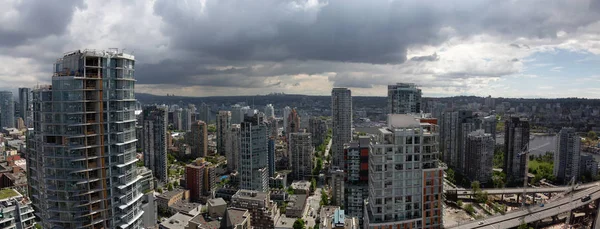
x,y
592,135
299,224
459,203
476,186
212,128
450,175
324,198
313,185
469,208
498,161
318,167
170,187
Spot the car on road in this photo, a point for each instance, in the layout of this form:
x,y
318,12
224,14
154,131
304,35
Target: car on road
x,y
541,205
586,198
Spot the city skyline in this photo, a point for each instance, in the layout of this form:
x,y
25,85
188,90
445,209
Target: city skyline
x,y
455,49
300,114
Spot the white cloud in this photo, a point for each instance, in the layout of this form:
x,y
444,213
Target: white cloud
x,y
225,47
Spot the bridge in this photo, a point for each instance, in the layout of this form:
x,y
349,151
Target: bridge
x,y
536,212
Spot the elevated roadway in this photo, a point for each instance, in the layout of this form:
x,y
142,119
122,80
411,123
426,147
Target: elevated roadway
x,y
536,212
497,191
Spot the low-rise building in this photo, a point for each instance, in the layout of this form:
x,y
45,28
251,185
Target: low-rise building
x,y
279,181
216,207
234,218
296,205
177,221
16,210
186,207
169,198
225,192
264,212
301,187
147,181
332,217
279,196
588,165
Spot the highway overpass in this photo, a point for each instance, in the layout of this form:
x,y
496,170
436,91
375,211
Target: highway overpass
x,y
534,213
529,190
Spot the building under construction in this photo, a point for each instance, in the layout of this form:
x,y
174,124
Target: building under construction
x,y
82,153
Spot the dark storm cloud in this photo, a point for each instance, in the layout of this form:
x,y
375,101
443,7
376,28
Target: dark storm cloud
x,y
318,35
36,19
432,57
274,30
376,31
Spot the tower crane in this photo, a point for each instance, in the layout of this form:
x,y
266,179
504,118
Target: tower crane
x,y
524,153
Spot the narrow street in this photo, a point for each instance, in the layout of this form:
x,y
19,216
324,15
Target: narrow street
x,y
312,208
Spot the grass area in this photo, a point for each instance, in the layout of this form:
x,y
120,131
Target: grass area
x,y
6,193
541,170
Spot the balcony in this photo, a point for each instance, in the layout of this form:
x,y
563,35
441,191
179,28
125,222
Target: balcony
x,y
93,75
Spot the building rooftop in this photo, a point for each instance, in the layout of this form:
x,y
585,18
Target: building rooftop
x,y
8,193
170,194
297,202
304,185
402,121
177,221
285,222
188,208
217,202
250,195
233,216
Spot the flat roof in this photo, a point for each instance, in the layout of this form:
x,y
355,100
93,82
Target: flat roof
x,y
249,194
402,120
8,193
297,201
186,207
217,202
177,221
170,194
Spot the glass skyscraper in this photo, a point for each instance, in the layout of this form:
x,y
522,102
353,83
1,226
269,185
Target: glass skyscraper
x,y
82,153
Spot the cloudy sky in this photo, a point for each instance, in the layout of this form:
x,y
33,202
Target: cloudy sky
x,y
509,48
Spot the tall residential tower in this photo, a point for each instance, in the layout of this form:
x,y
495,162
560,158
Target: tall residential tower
x,y
567,155
516,140
253,155
7,109
404,98
82,155
25,107
154,134
341,115
405,180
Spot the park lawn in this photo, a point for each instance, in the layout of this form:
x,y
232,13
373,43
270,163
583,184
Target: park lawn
x,y
541,170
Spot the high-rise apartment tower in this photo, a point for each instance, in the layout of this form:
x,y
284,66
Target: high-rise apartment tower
x,y
81,162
